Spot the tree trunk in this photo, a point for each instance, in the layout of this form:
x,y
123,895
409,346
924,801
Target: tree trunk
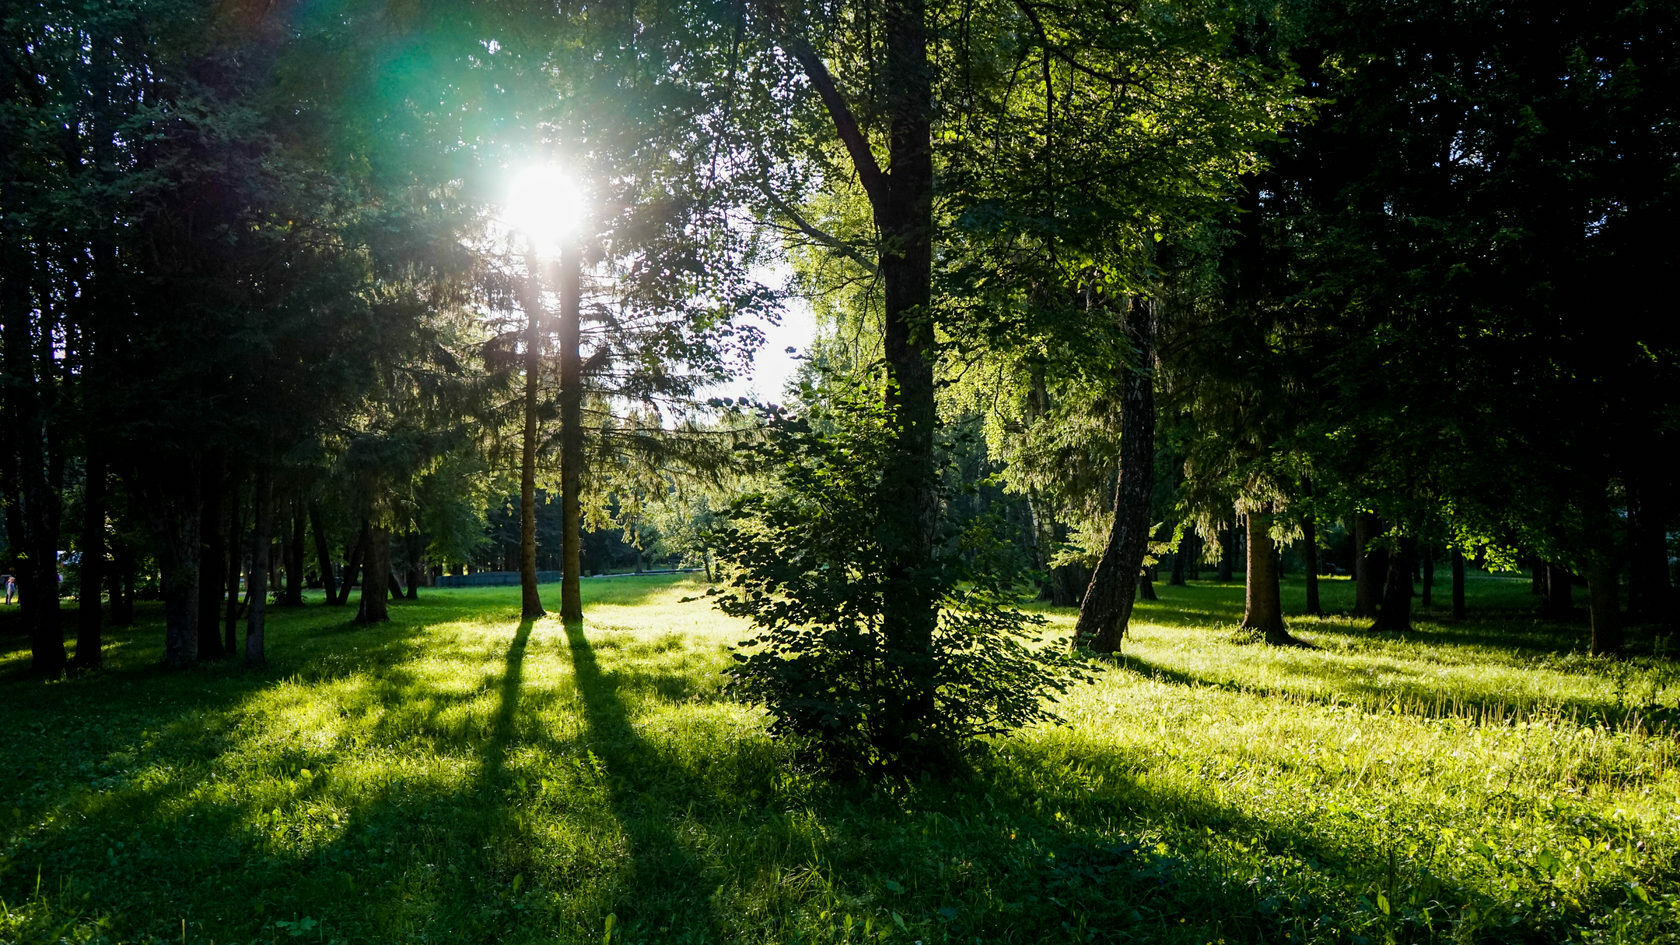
x,y
353,563
1263,598
416,545
1107,608
376,569
262,505
213,553
178,561
235,567
89,629
323,555
1146,587
1309,554
1227,555
293,597
1458,612
572,453
122,584
1428,578
1558,602
1601,595
530,600
1370,565
1395,614
394,584
1178,566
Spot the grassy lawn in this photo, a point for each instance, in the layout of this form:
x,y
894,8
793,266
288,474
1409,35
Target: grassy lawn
x,y
456,776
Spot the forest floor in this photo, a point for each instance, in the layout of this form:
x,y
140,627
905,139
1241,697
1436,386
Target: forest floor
x,y
456,776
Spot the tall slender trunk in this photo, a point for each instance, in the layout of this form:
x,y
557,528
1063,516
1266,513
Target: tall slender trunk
x,y
1458,611
530,600
376,571
1370,565
1180,553
1263,597
1559,600
235,566
262,514
1107,608
213,552
572,454
323,554
1602,604
1227,554
122,584
89,638
1428,598
1396,611
293,597
1309,555
178,560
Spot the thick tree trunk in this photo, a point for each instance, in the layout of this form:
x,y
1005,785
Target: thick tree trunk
x,y
1458,612
376,570
89,631
1395,614
1428,597
1107,608
1263,599
1309,555
1193,562
1559,600
1603,606
293,597
323,554
1370,565
572,453
213,553
1146,587
262,514
1179,564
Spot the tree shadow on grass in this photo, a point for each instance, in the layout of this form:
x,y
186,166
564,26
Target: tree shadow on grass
x,y
672,889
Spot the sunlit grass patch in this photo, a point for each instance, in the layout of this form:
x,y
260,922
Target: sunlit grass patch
x,y
456,776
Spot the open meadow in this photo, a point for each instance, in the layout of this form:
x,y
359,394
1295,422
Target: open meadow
x,y
457,776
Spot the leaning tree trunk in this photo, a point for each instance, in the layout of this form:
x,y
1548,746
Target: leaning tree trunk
x,y
1263,598
89,636
376,571
1370,565
1396,611
1107,608
262,514
353,563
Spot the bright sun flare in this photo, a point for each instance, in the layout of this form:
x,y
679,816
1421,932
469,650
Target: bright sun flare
x,y
544,206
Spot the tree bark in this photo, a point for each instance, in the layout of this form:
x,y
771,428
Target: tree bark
x,y
1558,602
416,545
1263,598
1107,608
178,560
1458,611
235,567
213,554
262,514
122,584
1178,565
1227,555
1395,614
572,452
353,563
1370,565
376,570
530,600
293,597
89,635
1309,555
323,554
1428,578
1603,606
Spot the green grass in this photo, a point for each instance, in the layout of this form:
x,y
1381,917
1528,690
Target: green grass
x,y
458,777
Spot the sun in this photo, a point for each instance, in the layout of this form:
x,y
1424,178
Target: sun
x,y
544,205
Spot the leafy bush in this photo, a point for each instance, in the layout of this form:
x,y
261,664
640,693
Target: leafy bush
x,y
805,562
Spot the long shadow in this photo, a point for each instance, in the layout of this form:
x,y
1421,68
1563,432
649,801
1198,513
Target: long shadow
x,y
682,908
501,730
